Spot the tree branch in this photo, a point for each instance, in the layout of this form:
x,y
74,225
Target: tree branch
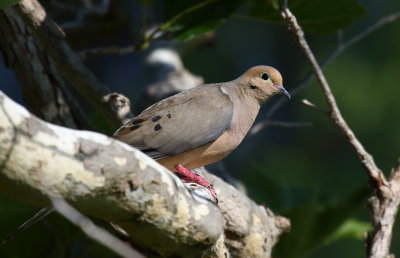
x,y
384,212
366,159
385,204
341,47
312,105
261,125
42,86
66,61
93,231
110,180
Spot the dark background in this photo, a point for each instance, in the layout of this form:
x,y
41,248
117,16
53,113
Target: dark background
x,y
308,174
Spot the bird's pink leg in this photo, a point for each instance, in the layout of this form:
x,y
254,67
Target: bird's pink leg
x,y
195,178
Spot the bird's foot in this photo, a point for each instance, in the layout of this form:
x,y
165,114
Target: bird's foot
x,y
189,176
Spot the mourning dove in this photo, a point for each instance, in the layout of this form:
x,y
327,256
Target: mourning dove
x,y
196,127
202,125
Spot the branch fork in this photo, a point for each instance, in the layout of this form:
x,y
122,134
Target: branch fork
x,y
385,204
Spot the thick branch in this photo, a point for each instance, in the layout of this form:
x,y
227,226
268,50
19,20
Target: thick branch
x,y
66,61
41,85
384,212
109,180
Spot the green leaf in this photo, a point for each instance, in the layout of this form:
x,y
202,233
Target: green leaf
x,y
189,18
314,16
198,30
7,3
351,228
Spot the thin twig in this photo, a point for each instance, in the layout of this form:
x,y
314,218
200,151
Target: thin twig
x,y
268,123
341,47
155,34
148,38
366,159
386,202
355,39
288,124
27,224
92,230
104,51
312,105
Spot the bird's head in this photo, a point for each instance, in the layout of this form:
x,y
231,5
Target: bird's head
x,y
262,82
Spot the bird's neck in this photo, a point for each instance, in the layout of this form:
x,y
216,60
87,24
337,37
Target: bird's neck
x,y
245,113
245,89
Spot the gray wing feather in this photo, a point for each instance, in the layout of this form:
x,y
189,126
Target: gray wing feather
x,y
182,122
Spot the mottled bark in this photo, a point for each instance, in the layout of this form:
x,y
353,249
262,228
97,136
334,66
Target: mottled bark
x,y
110,180
42,86
65,60
384,210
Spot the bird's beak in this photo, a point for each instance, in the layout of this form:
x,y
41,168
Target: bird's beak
x,y
283,90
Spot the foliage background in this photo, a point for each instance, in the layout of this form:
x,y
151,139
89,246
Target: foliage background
x,y
308,174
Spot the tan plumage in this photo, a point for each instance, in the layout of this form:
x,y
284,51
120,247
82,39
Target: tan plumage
x,y
202,125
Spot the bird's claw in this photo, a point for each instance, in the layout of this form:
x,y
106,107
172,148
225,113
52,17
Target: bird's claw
x,y
190,176
210,188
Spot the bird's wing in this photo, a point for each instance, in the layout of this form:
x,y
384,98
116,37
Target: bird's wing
x,y
179,123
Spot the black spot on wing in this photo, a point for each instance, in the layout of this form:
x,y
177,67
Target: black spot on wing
x,y
133,128
155,118
153,153
169,116
148,150
158,127
137,121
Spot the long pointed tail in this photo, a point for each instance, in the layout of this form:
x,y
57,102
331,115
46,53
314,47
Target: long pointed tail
x,y
38,216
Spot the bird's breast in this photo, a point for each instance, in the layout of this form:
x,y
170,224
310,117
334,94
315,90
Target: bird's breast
x,y
204,155
211,152
214,151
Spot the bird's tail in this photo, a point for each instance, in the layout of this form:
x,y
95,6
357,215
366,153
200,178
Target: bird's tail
x,y
38,216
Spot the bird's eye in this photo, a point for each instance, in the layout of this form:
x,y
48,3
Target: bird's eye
x,y
265,76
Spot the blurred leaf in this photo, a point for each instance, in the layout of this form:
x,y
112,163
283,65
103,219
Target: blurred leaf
x,y
351,228
7,3
336,214
198,30
189,18
314,225
313,15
